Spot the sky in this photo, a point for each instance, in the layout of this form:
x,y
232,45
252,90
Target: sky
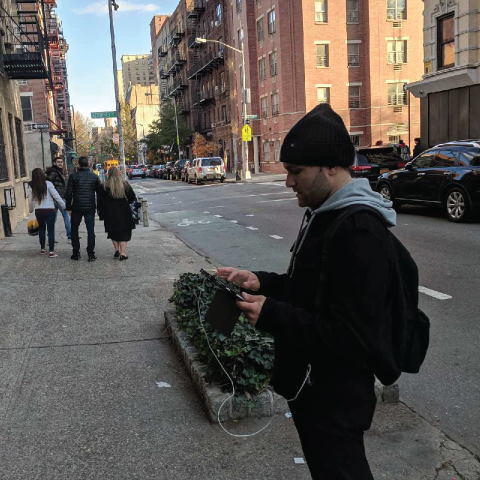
x,y
86,29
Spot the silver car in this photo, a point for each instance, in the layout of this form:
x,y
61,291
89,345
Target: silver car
x,y
206,168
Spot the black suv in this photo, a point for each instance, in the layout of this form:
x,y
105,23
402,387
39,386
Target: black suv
x,y
177,169
448,175
168,173
370,162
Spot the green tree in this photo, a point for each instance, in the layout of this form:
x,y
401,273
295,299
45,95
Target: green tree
x,y
163,136
129,133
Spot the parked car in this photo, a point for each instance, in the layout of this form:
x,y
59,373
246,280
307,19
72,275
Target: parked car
x,y
207,168
168,170
370,162
184,174
148,170
177,169
137,171
161,171
154,171
447,175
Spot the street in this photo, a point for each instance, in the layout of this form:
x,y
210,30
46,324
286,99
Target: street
x,y
254,225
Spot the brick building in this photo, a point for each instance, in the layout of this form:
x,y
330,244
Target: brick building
x,y
357,56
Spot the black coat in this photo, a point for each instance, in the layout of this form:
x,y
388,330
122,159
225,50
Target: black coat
x,y
116,212
55,175
333,330
81,189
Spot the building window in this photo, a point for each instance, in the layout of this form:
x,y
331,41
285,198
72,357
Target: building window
x,y
271,22
396,51
396,9
273,63
266,151
446,41
22,82
352,11
353,54
275,106
240,72
21,154
264,107
321,15
224,113
396,94
219,14
260,33
222,82
239,6
261,69
355,139
323,94
354,97
3,157
27,108
12,144
322,55
277,150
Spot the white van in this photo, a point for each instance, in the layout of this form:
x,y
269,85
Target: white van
x,y
206,168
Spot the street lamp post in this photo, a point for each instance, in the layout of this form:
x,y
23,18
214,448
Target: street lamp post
x,y
115,81
245,144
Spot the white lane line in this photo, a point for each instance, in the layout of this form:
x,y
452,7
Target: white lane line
x,y
279,200
434,294
250,215
206,212
252,228
218,216
234,221
276,237
218,206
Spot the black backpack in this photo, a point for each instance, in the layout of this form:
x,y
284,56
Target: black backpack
x,y
410,327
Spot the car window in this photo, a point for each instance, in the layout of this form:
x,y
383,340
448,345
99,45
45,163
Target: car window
x,y
469,156
211,162
444,158
362,159
425,160
380,157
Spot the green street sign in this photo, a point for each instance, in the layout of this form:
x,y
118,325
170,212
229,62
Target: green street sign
x,y
103,115
252,117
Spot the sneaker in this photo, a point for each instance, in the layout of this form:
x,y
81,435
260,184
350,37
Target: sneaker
x,y
76,256
43,251
69,241
52,254
91,257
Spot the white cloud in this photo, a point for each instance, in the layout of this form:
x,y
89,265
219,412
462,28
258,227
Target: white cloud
x,y
100,8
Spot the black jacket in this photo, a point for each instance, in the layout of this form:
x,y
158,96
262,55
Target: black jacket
x,y
116,212
417,150
334,330
81,189
55,175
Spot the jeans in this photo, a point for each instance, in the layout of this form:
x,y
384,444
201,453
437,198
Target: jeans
x,y
46,219
90,223
66,220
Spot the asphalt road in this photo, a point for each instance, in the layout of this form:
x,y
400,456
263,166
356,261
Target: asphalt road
x,y
254,225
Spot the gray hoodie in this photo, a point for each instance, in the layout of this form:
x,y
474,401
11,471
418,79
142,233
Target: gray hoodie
x,y
356,192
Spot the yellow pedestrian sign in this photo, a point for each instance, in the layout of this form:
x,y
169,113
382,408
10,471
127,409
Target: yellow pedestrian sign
x,y
247,133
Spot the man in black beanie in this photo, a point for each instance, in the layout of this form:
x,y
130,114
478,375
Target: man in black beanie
x,y
327,314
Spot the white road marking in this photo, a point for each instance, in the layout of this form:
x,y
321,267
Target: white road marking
x,y
279,200
434,294
218,206
250,215
252,228
206,212
234,221
218,216
276,237
277,184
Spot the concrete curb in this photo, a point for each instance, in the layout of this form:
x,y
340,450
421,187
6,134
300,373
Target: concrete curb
x,y
265,404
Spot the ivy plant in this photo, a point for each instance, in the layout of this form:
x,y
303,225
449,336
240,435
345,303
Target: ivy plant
x,y
247,355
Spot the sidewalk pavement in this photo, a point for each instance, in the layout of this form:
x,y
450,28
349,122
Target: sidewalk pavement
x,y
83,353
258,177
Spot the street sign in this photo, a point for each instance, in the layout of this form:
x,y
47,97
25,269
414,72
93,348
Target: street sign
x,y
39,126
252,117
103,114
247,133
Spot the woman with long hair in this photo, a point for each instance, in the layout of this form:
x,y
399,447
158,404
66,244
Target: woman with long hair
x,y
116,212
42,198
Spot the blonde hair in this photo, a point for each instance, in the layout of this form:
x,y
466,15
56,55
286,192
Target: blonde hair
x,y
115,183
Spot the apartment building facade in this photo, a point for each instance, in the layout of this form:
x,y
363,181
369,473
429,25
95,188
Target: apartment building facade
x,y
449,91
137,70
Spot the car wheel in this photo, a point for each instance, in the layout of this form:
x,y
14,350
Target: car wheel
x,y
386,192
456,205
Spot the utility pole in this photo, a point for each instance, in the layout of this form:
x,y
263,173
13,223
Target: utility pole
x,y
75,128
115,81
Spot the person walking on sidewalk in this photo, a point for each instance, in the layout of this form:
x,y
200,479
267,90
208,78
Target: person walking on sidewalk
x,y
327,314
116,212
56,176
43,198
80,198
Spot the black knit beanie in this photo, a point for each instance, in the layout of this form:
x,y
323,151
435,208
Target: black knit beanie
x,y
318,139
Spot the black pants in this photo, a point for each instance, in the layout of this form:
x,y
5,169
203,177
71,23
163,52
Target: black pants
x,y
90,223
330,424
46,219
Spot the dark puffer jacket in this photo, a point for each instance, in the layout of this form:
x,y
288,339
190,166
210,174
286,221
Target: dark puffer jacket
x,y
55,175
81,189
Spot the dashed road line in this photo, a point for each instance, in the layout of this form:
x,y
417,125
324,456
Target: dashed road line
x,y
252,228
218,216
434,293
234,221
276,237
279,200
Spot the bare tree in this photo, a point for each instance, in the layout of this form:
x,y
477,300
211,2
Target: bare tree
x,y
83,132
